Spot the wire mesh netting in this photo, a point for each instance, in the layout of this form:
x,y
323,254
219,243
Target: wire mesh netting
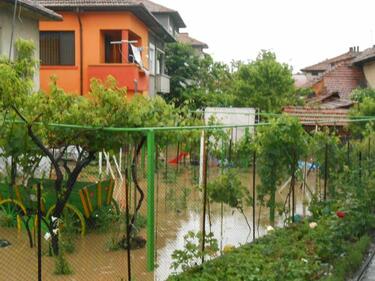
x,y
137,212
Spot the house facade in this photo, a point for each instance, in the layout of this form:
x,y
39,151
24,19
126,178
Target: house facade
x,y
332,82
336,75
172,22
366,60
28,14
101,38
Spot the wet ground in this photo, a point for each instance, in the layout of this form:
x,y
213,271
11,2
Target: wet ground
x,y
178,210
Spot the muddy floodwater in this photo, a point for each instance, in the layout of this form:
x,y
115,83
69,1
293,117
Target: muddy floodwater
x,y
178,210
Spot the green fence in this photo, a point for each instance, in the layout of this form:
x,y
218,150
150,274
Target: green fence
x,y
168,199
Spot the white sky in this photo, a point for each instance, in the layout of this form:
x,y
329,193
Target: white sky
x,y
300,32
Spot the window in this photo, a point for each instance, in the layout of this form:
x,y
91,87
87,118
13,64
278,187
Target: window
x,y
160,62
112,46
57,48
152,57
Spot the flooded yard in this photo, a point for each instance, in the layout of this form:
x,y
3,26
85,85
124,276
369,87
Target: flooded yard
x,y
178,210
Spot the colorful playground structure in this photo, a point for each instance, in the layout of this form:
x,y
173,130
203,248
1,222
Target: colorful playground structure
x,y
86,197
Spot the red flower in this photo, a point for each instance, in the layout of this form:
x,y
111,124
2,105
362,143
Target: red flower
x,y
92,194
340,214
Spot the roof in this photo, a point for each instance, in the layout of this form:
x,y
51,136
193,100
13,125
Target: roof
x,y
137,7
327,64
186,39
366,56
316,116
156,8
35,7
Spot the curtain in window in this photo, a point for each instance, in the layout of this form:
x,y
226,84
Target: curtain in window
x,y
57,48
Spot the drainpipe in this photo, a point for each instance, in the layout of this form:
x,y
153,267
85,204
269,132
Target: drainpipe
x,y
80,50
13,27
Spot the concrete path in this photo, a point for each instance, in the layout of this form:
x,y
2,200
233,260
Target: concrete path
x,y
370,272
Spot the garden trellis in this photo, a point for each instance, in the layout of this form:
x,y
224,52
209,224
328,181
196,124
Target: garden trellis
x,y
168,174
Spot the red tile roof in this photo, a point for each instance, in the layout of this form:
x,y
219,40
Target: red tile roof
x,y
186,39
156,8
329,63
37,8
135,6
319,117
366,56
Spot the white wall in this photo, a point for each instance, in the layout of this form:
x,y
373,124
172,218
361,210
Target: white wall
x,y
25,28
369,70
232,116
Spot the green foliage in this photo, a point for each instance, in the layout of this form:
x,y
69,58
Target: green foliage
x,y
7,219
365,99
264,83
105,218
348,264
228,189
62,266
331,250
192,253
196,81
358,95
280,146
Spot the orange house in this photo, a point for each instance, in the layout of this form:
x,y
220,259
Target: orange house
x,y
97,39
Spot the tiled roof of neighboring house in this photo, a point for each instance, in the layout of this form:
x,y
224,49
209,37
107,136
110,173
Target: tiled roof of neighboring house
x,y
366,56
329,101
33,6
186,39
327,64
135,6
343,78
156,8
319,117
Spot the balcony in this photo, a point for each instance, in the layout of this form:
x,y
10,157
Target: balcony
x,y
162,83
128,75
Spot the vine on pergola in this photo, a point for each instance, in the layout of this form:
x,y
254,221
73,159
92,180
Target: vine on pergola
x,y
106,106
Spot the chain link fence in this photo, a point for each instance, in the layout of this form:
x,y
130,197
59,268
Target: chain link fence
x,y
135,213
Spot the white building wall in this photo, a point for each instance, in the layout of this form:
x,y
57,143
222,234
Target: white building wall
x,y
25,28
233,117
369,70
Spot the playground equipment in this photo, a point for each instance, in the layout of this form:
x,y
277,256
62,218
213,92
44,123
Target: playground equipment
x,y
179,158
86,197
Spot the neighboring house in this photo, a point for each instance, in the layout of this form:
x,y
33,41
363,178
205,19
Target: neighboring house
x,y
336,75
28,14
332,82
98,38
197,45
172,22
366,60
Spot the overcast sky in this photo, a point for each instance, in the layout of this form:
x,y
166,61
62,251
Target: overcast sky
x,y
300,32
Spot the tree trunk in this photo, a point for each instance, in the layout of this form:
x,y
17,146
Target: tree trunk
x,y
135,180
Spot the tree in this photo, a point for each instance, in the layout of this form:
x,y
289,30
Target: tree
x,y
365,99
280,146
196,81
183,66
264,83
106,107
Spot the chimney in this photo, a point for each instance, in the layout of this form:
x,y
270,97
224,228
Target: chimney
x,y
351,49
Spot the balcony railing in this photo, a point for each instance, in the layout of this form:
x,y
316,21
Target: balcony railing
x,y
128,75
163,83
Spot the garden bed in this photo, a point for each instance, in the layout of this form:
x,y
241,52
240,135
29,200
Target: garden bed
x,y
330,245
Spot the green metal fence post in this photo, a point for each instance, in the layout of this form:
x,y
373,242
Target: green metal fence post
x,y
150,200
